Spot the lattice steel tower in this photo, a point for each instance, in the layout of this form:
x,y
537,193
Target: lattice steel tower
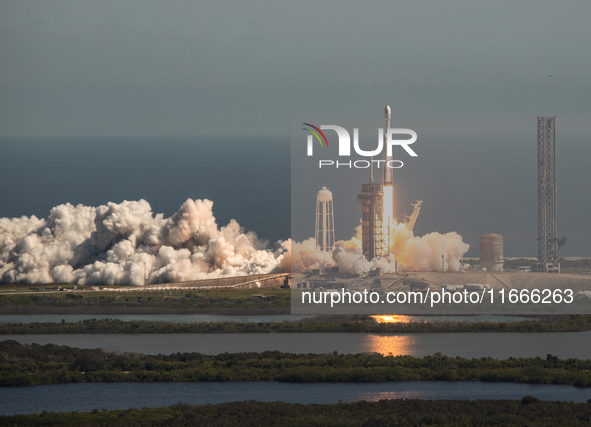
x,y
547,232
373,243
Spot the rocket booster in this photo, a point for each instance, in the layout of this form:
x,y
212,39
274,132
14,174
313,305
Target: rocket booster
x,y
386,171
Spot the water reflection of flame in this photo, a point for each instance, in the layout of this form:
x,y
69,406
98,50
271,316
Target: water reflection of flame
x,y
376,397
394,345
394,318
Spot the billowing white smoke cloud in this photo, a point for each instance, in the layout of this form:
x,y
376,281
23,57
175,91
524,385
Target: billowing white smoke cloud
x,y
347,255
111,245
413,253
424,253
306,256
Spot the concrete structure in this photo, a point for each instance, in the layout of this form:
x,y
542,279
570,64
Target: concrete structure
x,y
454,280
324,220
270,280
502,280
491,252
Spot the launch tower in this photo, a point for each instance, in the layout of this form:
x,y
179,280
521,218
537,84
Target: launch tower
x,y
372,209
548,241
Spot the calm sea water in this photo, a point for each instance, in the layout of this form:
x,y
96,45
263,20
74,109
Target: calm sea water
x,y
89,396
247,178
479,344
469,184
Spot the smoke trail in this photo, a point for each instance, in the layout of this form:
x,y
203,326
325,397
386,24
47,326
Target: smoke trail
x,y
112,243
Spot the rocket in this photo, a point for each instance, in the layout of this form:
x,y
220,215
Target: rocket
x,y
386,171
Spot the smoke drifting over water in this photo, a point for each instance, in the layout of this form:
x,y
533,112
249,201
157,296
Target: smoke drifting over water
x,y
111,244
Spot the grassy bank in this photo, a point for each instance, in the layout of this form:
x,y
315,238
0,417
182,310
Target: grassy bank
x,y
26,365
526,412
351,323
210,301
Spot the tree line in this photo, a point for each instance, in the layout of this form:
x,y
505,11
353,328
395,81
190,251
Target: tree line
x,y
410,412
210,301
27,365
365,324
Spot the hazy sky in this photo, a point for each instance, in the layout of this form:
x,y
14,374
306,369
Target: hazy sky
x,y
243,67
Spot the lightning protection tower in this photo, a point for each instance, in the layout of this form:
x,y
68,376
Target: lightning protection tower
x,y
547,231
324,220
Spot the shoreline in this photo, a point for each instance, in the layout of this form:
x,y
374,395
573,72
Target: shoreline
x,y
337,324
141,310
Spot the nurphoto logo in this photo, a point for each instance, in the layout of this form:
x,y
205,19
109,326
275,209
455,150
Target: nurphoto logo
x,y
384,139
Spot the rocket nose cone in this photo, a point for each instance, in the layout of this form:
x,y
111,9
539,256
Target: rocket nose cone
x,y
387,111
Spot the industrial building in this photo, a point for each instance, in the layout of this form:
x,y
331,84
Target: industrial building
x,y
491,252
372,233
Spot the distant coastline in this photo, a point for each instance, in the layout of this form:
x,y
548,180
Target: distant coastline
x,y
352,323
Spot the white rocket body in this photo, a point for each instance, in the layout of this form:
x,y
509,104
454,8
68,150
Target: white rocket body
x,y
386,171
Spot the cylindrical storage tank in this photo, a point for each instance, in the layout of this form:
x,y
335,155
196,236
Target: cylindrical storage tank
x,y
324,195
491,252
324,234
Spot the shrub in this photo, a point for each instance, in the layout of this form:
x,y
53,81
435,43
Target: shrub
x,y
529,399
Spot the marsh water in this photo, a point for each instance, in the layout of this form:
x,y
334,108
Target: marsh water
x,y
498,345
89,396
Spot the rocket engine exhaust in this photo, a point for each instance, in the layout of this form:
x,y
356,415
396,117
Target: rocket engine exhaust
x,y
111,244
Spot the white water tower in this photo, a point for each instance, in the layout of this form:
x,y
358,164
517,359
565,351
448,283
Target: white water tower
x,y
324,220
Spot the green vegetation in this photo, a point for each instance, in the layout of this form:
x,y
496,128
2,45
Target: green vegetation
x,y
513,263
527,412
27,365
575,263
352,323
571,266
220,301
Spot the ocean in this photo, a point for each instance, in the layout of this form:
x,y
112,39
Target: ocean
x,y
247,178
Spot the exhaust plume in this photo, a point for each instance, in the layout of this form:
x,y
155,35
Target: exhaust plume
x,y
413,253
112,243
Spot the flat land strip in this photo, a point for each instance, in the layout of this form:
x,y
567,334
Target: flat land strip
x,y
339,323
28,365
410,412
